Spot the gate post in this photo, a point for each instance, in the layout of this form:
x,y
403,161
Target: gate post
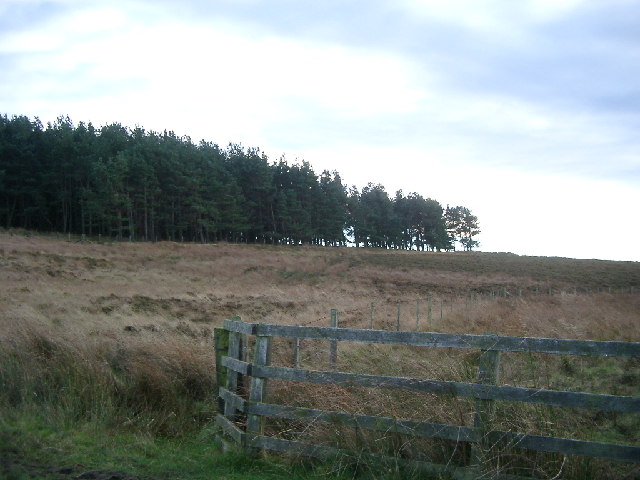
x,y
221,342
228,344
488,371
232,376
261,357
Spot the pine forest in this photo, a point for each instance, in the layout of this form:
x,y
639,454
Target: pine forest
x,y
138,185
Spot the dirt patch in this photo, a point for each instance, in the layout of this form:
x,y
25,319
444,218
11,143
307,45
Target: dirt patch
x,y
13,467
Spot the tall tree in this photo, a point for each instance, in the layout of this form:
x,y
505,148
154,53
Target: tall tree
x,y
21,168
462,226
332,213
470,228
253,175
371,217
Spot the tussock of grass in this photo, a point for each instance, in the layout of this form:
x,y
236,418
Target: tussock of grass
x,y
155,389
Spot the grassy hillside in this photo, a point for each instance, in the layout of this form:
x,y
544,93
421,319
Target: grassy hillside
x,y
114,340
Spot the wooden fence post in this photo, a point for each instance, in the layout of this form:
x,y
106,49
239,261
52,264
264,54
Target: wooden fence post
x,y
488,371
261,356
372,311
296,352
235,351
398,319
429,313
417,314
333,346
221,342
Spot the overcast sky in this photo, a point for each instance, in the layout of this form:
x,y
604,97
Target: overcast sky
x,y
527,111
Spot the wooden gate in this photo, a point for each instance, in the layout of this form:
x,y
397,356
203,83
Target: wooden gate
x,y
254,409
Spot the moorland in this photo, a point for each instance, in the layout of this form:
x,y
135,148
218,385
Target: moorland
x,y
107,361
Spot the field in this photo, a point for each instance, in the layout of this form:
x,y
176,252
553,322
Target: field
x,y
107,361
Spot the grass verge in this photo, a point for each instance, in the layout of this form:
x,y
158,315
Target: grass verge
x,y
76,408
31,448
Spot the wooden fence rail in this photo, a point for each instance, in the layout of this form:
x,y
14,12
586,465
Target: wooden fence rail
x,y
232,366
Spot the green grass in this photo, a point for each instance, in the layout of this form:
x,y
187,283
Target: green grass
x,y
38,447
65,406
35,448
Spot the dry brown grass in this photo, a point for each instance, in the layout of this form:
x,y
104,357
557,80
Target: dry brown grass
x,y
101,288
141,316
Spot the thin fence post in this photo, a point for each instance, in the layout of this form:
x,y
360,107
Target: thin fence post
x,y
261,356
333,346
417,314
296,352
372,312
488,371
398,319
429,313
441,308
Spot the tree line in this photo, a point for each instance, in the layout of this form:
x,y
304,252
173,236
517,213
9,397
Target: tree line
x,y
144,185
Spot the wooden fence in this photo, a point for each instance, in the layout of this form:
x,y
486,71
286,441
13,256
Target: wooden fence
x,y
249,433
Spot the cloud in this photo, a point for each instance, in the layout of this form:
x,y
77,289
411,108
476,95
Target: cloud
x,y
457,100
520,212
216,73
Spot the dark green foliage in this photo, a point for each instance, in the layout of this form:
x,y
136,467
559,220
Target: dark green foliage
x,y
132,184
408,223
462,226
422,223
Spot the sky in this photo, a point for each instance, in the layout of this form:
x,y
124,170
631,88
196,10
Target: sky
x,y
527,112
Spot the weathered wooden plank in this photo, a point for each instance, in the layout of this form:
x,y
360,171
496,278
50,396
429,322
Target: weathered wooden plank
x,y
261,357
296,448
221,343
464,341
430,339
612,403
236,325
234,399
566,446
333,346
383,424
236,365
488,370
232,376
228,427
